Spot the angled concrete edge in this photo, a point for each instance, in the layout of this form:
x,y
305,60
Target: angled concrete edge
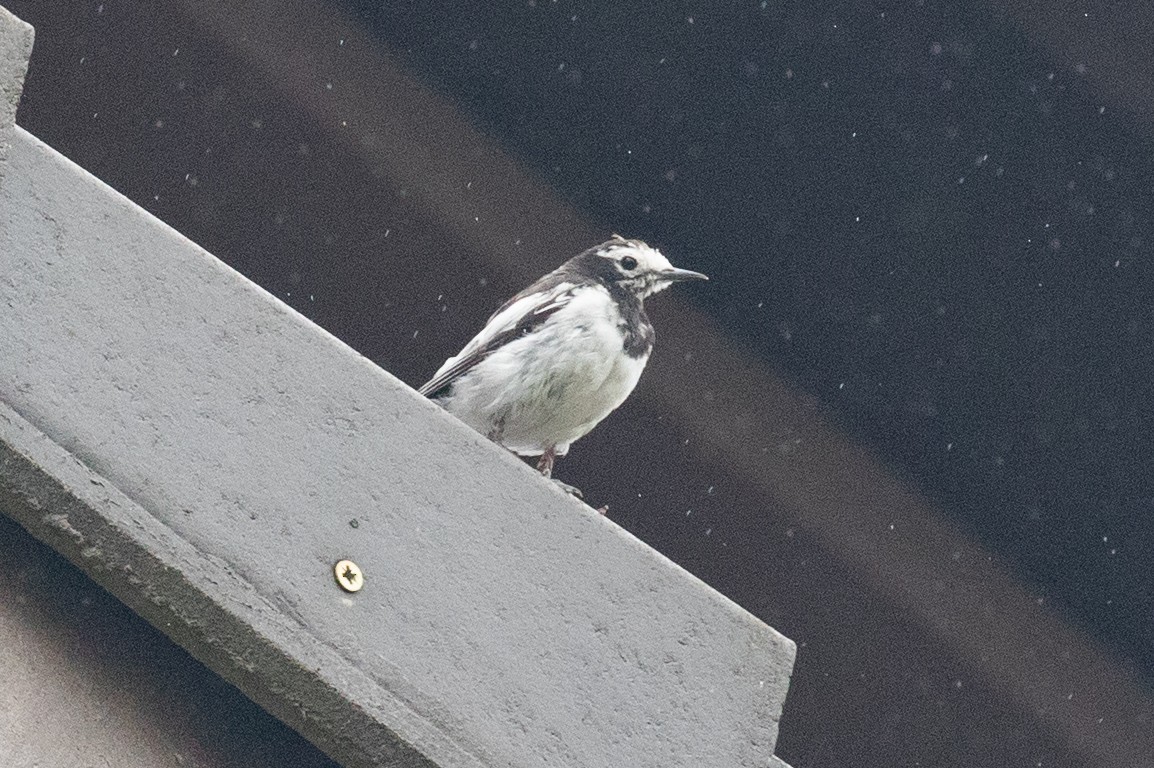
x,y
208,454
15,47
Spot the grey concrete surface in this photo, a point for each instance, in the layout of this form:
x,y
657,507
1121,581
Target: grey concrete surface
x,y
207,454
87,683
15,47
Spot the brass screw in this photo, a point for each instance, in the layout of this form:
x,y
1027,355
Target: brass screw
x,y
349,576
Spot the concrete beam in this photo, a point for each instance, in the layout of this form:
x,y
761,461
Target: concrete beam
x,y
207,454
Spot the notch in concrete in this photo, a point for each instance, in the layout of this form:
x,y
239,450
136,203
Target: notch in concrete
x,y
16,38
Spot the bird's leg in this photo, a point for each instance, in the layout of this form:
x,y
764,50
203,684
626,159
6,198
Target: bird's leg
x,y
545,463
545,467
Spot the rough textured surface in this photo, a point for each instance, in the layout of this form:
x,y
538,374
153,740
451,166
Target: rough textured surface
x,y
88,684
15,47
207,454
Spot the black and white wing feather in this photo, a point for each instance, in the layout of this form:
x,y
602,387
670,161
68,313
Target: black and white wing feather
x,y
517,317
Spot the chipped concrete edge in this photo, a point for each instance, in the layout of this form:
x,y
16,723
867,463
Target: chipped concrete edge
x,y
16,38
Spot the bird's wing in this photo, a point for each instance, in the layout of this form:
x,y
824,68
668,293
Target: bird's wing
x,y
516,317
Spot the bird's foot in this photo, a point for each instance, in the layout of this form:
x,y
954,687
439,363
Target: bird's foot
x,y
570,489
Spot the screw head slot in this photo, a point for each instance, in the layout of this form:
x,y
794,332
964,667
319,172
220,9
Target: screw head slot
x,y
349,576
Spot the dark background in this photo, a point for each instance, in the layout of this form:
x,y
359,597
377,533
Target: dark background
x,y
932,219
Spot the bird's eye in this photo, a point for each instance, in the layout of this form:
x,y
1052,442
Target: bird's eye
x,y
629,263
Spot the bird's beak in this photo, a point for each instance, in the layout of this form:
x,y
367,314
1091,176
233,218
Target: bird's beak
x,y
674,275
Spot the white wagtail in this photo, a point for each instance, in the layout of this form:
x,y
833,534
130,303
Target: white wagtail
x,y
559,356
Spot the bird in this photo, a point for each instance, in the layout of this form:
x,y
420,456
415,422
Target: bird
x,y
561,355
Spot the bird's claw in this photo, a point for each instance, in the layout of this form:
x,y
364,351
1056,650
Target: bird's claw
x,y
570,489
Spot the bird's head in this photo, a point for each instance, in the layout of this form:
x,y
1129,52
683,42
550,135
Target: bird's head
x,y
631,264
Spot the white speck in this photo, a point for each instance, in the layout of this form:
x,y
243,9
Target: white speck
x,y
342,41
1101,110
936,49
688,512
708,531
328,86
387,231
841,386
689,19
175,52
949,446
981,159
415,333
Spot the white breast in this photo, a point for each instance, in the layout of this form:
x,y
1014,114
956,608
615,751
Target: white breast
x,y
553,386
